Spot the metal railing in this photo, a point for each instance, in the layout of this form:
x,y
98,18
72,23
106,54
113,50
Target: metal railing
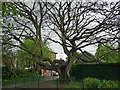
x,y
40,82
28,82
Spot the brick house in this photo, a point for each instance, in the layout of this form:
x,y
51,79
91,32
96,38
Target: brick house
x,y
40,71
49,72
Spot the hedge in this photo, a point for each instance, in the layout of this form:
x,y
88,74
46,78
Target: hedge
x,y
100,71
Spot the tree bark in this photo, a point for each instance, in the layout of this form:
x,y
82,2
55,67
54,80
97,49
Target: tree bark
x,y
65,71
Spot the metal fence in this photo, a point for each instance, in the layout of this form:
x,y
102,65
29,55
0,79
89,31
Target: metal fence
x,y
38,82
32,82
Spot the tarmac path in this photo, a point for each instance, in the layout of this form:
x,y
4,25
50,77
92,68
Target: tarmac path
x,y
45,82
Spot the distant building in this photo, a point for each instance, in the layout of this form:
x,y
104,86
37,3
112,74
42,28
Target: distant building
x,y
49,72
27,65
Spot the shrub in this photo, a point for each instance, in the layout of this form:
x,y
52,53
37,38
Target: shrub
x,y
22,73
92,83
74,85
5,73
109,84
96,83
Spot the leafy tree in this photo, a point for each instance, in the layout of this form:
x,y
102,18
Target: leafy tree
x,y
24,56
107,53
21,21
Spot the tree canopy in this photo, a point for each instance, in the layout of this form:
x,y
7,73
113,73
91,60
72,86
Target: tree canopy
x,y
24,56
107,54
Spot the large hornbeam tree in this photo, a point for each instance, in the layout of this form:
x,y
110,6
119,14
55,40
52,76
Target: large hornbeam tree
x,y
77,25
80,24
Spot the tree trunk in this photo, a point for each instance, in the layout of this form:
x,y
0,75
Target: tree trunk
x,y
64,71
64,74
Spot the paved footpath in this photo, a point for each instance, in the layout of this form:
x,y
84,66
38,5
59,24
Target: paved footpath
x,y
46,82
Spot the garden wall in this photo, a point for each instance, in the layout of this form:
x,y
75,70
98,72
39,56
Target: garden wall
x,y
100,71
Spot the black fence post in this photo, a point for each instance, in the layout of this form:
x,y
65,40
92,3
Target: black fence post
x,y
38,81
57,83
15,83
24,80
83,84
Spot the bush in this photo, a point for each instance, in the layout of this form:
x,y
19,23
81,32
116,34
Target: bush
x,y
74,85
5,73
20,74
109,84
24,73
92,83
96,83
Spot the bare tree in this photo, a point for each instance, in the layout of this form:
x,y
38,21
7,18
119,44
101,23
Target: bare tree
x,y
80,24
